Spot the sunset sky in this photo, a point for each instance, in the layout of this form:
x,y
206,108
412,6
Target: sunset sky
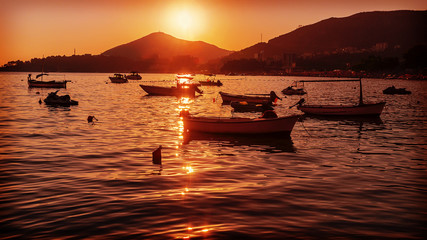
x,y
37,28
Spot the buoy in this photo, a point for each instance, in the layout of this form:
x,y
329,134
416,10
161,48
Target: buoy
x,y
157,155
40,101
91,118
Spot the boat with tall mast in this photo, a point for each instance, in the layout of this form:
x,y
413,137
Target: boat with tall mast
x,y
360,109
35,83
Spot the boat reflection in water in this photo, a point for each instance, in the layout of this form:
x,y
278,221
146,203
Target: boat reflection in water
x,y
264,143
348,119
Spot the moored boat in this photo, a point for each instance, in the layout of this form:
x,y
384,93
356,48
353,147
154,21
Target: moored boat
x,y
394,90
118,78
360,109
370,109
250,107
184,88
179,90
55,100
33,83
227,98
210,81
293,91
134,76
262,125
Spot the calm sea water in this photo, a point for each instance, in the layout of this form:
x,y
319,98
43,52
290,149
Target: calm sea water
x,y
63,178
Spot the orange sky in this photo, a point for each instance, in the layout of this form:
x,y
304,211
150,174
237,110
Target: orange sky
x,y
36,28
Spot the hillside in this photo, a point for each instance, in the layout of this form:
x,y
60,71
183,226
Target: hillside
x,y
164,46
369,31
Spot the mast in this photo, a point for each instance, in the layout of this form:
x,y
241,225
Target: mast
x,y
361,92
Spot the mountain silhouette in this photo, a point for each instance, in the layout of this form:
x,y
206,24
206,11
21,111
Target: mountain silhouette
x,y
395,29
164,46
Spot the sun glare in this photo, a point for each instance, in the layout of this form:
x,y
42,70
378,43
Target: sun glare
x,y
184,21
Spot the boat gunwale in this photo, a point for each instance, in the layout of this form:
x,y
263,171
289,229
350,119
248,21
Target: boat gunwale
x,y
342,106
237,120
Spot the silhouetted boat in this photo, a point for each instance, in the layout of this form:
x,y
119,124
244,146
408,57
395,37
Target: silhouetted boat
x,y
210,81
33,83
394,90
250,107
360,109
118,78
291,90
260,125
227,98
134,76
184,88
179,91
55,100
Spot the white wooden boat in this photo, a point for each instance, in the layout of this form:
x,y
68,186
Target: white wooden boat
x,y
360,109
215,125
33,83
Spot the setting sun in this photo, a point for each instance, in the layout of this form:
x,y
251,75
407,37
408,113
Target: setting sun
x,y
185,21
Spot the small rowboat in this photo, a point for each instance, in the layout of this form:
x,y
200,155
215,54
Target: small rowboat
x,y
250,107
227,98
370,109
184,88
181,90
283,125
360,109
211,83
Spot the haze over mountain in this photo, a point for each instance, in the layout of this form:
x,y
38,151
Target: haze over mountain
x,y
363,31
162,45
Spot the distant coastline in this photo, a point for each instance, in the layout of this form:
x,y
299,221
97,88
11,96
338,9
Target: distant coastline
x,y
370,44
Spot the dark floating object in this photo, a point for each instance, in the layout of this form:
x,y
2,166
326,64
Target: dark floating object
x,y
91,118
157,155
54,100
40,101
394,90
293,91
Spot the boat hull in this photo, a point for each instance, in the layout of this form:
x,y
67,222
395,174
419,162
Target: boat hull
x,y
228,98
282,125
374,109
293,92
250,107
210,83
188,91
134,77
47,84
118,80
